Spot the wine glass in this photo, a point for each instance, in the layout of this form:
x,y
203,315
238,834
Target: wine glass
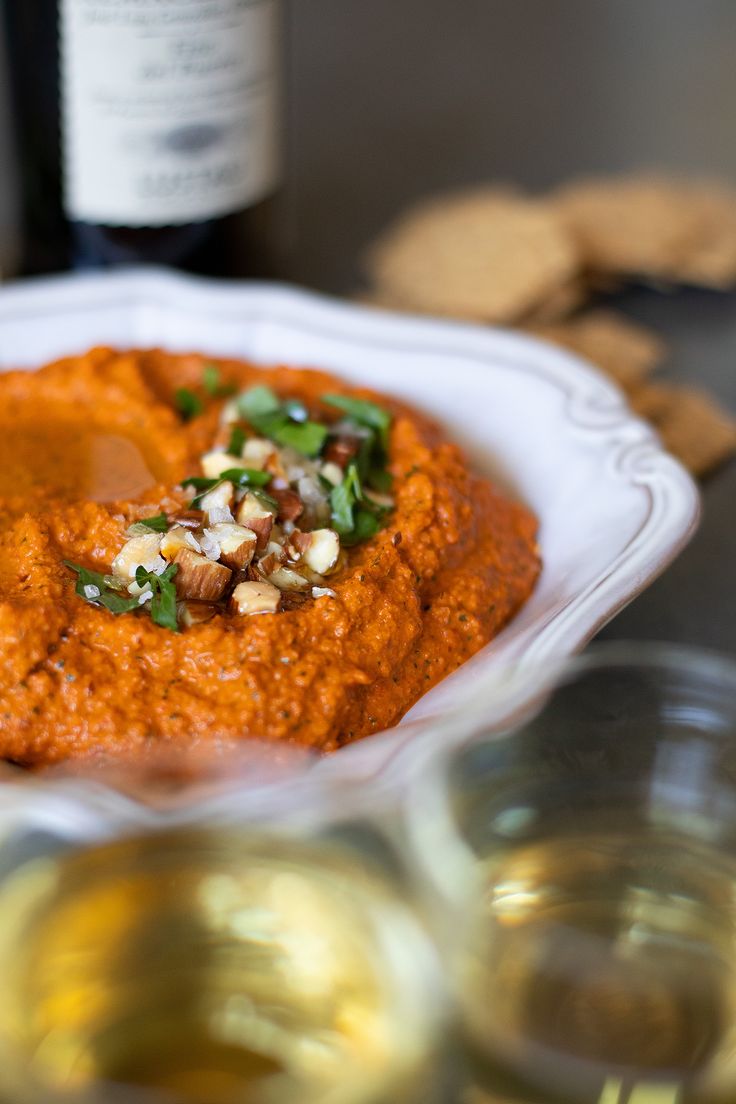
x,y
585,850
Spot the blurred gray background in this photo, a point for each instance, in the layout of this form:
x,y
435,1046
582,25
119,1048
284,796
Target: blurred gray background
x,y
390,99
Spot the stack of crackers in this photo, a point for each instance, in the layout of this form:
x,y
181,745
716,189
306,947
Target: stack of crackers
x,y
492,255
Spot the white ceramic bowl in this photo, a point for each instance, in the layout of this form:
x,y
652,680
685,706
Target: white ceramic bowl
x,y
614,508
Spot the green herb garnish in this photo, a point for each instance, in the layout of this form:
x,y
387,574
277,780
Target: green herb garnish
x,y
241,477
212,382
202,485
363,412
236,442
371,461
366,526
305,437
257,401
200,482
266,500
372,424
295,410
163,601
343,498
355,516
157,524
287,423
381,480
188,404
341,504
107,586
246,477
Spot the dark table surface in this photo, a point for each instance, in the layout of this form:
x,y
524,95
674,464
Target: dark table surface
x,y
390,99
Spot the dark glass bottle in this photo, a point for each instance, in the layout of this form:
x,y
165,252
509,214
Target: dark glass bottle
x,y
147,132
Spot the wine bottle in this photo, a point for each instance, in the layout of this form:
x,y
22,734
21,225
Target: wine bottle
x,y
9,233
147,131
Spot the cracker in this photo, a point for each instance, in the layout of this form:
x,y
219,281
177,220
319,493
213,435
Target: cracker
x,y
691,424
560,303
483,254
652,227
624,350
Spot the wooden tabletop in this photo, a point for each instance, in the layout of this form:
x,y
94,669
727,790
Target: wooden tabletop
x,y
390,99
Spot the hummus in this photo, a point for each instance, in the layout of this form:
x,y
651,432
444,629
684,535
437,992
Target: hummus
x,y
93,446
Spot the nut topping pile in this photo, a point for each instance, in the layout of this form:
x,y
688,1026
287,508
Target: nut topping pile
x,y
271,513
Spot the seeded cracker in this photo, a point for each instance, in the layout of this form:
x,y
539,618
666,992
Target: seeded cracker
x,y
692,426
482,254
654,228
624,350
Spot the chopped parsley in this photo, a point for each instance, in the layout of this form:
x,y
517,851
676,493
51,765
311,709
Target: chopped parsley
x,y
367,524
381,480
200,482
342,501
372,424
364,412
105,591
157,524
237,440
101,590
354,516
163,602
305,437
246,477
287,423
257,401
266,500
187,403
295,410
240,477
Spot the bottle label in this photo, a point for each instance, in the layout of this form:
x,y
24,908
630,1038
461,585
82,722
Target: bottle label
x,y
170,108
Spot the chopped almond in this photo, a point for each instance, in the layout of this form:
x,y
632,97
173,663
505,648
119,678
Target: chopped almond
x,y
230,412
195,613
256,517
189,519
332,472
198,578
215,463
176,538
262,528
286,579
253,507
268,564
256,452
293,599
219,498
290,505
323,551
236,544
275,548
298,544
255,597
275,465
323,592
143,551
